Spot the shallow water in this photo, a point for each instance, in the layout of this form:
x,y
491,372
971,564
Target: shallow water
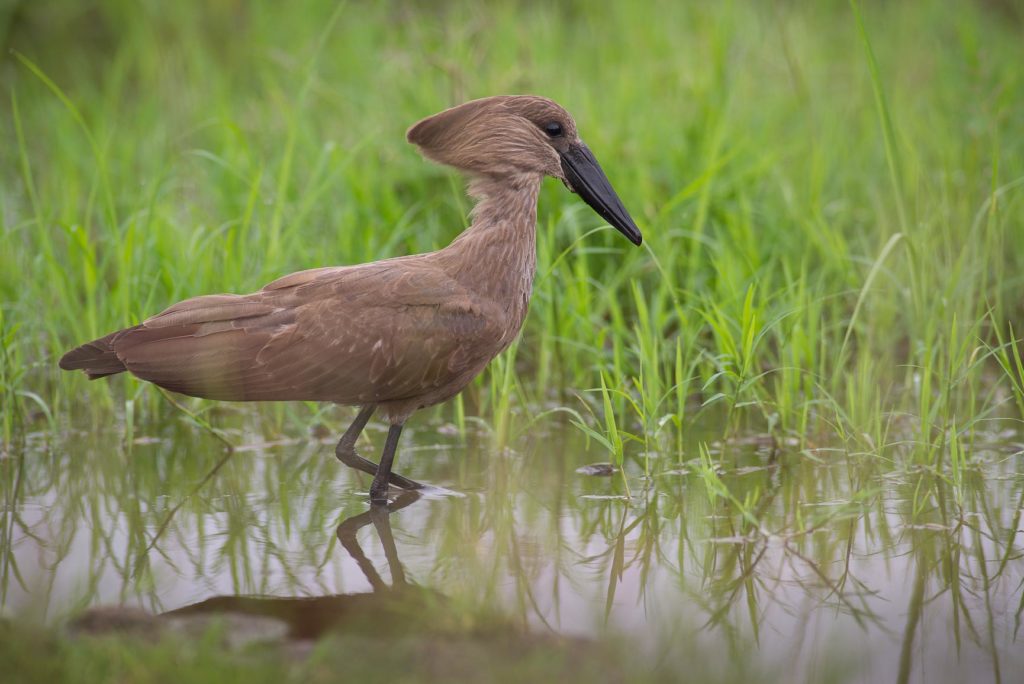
x,y
819,564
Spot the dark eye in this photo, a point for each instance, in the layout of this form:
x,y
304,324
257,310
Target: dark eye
x,y
553,129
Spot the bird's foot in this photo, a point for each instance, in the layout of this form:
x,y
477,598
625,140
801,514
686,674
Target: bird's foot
x,y
379,491
347,455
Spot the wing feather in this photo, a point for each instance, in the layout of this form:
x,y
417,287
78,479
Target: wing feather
x,y
379,332
208,309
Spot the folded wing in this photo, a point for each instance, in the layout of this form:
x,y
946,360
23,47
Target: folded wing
x,y
378,332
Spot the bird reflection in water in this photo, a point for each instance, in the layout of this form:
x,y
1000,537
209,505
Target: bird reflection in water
x,y
387,608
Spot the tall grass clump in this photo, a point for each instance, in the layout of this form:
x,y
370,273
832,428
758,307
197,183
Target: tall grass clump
x,y
831,197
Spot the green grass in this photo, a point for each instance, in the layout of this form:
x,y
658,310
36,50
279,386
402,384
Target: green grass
x,y
41,656
831,197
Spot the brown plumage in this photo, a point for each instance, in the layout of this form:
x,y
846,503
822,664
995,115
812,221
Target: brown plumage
x,y
395,335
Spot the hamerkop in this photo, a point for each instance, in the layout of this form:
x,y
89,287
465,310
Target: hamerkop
x,y
395,335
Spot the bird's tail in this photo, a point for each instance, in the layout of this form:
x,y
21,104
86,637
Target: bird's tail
x,y
97,358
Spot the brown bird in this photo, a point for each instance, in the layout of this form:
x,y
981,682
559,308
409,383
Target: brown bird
x,y
398,334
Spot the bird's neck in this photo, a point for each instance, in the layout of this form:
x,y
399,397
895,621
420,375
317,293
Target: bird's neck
x,y
497,255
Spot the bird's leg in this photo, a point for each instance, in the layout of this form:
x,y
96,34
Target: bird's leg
x,y
347,445
379,488
346,451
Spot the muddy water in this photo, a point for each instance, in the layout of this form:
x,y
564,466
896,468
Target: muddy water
x,y
791,564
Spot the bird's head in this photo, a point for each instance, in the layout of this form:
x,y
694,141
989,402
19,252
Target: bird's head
x,y
510,135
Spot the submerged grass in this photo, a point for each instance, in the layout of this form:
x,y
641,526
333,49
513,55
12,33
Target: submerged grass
x,y
831,197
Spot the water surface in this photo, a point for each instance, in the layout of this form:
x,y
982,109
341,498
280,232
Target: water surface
x,y
794,563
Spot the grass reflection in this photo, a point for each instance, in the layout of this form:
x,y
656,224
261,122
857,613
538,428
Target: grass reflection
x,y
746,546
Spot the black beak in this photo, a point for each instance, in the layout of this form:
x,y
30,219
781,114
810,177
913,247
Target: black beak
x,y
584,176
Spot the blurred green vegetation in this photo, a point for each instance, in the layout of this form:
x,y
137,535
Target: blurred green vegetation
x,y
831,196
36,656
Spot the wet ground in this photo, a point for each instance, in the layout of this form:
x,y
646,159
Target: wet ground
x,y
795,563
